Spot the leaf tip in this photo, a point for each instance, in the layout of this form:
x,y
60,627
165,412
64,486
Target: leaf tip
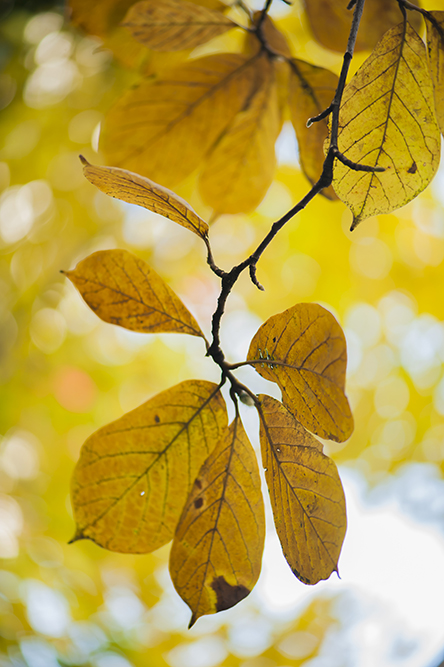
x,y
84,161
78,535
192,621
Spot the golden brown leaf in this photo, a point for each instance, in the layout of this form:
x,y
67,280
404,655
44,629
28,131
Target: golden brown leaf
x,y
387,120
216,555
311,91
122,289
307,357
330,22
174,25
134,475
241,167
435,43
135,189
165,128
305,491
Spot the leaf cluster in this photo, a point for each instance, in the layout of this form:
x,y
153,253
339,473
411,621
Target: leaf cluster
x,y
173,468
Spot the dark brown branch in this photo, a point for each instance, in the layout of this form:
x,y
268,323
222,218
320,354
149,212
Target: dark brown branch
x,y
355,166
228,279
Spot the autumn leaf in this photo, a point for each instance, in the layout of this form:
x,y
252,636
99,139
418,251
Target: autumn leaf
x,y
166,127
241,167
135,189
435,43
122,289
134,475
387,120
330,22
304,351
216,555
311,91
174,25
305,492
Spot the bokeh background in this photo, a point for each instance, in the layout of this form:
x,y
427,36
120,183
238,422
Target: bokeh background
x,y
64,373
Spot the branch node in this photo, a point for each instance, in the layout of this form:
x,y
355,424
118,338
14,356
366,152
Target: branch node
x,y
355,166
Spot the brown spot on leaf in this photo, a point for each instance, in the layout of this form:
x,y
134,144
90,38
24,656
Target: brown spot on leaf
x,y
156,419
198,503
412,169
227,595
198,483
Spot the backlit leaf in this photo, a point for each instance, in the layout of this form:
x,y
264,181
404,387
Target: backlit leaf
x,y
174,25
166,127
134,475
387,120
216,555
139,190
330,22
311,90
307,357
435,43
305,491
122,289
241,167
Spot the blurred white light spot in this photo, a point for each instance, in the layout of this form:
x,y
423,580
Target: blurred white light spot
x,y
365,321
16,214
250,636
110,659
50,83
286,146
48,330
87,637
206,652
54,47
124,606
371,258
11,525
391,397
41,25
47,609
298,645
38,653
398,311
18,455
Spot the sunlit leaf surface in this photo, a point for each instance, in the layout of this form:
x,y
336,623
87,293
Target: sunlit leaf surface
x,y
163,129
139,190
330,22
216,555
173,25
305,492
241,167
435,42
387,120
122,289
134,475
303,350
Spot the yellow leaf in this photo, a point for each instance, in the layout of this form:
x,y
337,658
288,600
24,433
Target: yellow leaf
x,y
303,350
387,120
241,167
311,91
134,475
139,190
122,289
305,492
435,43
174,25
166,127
216,555
330,22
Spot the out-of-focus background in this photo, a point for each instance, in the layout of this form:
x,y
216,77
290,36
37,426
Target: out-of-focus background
x,y
64,373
